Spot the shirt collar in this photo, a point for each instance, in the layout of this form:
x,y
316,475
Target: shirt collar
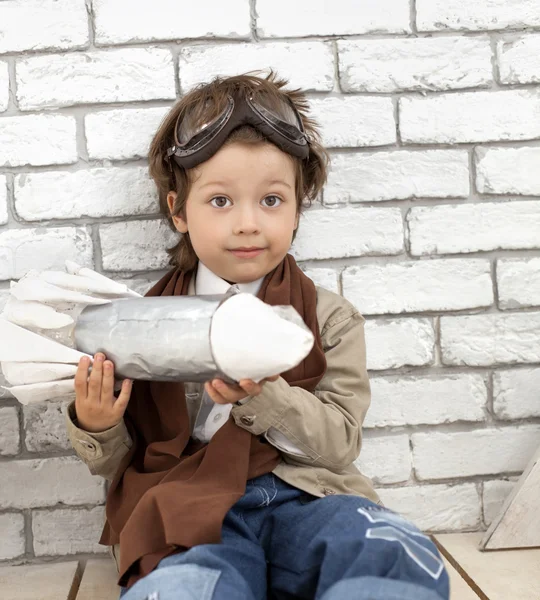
x,y
207,282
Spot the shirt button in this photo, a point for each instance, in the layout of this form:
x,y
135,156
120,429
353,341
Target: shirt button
x,y
328,492
247,420
217,418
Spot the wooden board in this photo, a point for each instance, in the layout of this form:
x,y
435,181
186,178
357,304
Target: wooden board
x,y
459,588
518,523
99,581
500,575
50,581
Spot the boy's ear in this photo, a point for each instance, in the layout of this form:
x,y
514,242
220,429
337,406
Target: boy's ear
x,y
179,222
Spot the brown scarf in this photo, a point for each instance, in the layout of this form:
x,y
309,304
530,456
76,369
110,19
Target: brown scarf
x,y
172,492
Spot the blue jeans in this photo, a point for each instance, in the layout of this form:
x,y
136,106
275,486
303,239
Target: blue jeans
x,y
281,543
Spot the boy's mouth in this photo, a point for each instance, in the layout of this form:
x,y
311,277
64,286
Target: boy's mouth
x,y
247,252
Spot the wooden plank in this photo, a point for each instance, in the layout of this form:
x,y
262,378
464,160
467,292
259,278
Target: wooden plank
x,y
459,588
498,575
99,581
518,523
51,581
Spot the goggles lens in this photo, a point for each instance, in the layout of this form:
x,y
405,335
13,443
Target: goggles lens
x,y
280,114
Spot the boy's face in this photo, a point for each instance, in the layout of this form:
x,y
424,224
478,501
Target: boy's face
x,y
243,197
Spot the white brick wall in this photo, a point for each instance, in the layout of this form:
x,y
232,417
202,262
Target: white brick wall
x,y
120,21
95,77
43,25
518,282
4,86
508,171
419,286
309,64
474,227
470,117
414,64
429,222
397,176
519,59
475,16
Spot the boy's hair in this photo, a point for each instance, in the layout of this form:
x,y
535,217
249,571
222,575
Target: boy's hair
x,y
310,173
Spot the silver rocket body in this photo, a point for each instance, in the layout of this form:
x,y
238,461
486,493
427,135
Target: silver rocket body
x,y
162,338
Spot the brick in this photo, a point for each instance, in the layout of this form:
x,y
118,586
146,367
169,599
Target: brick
x,y
43,25
493,497
474,227
136,245
45,426
385,459
3,200
414,64
349,232
122,134
516,393
342,17
138,284
442,455
68,531
416,286
518,283
354,121
307,65
399,401
43,248
107,192
95,77
326,278
519,59
508,171
435,15
10,442
4,86
436,507
48,481
12,534
392,344
485,340
37,140
470,117
116,22
397,175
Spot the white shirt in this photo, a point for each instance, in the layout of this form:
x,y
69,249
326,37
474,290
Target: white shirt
x,y
212,416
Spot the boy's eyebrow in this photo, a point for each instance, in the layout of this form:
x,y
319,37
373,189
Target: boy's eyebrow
x,y
224,183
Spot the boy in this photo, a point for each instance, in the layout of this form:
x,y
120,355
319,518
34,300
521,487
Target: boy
x,y
231,491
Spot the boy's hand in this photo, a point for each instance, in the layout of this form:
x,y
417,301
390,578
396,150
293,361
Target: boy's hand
x,y
225,393
96,407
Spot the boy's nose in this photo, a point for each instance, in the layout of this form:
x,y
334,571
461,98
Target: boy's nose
x,y
246,222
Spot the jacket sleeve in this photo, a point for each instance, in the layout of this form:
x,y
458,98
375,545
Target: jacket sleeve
x,y
101,452
323,428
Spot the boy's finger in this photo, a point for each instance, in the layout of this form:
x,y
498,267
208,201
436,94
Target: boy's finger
x,y
229,392
81,376
214,395
121,402
107,385
249,386
95,379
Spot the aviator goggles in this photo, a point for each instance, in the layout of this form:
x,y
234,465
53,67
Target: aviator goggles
x,y
280,122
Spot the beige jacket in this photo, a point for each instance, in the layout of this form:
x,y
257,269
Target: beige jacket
x,y
326,433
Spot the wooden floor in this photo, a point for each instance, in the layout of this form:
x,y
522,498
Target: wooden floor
x,y
496,575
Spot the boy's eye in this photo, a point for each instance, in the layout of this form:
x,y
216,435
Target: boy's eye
x,y
273,201
219,201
